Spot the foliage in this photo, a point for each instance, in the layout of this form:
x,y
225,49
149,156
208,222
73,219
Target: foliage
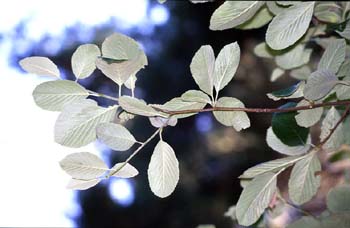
x,y
323,91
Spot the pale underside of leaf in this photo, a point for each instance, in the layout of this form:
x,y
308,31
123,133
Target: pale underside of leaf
x,y
77,184
226,65
304,182
328,123
275,143
177,104
202,68
115,136
289,25
296,57
333,56
261,18
343,91
137,106
195,96
233,13
319,84
76,125
237,119
83,165
308,118
127,171
41,66
54,95
163,170
276,74
83,60
255,198
270,166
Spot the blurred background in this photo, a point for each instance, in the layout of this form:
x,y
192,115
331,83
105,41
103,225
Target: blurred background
x,y
211,156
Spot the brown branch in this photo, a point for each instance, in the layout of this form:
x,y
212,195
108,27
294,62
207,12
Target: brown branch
x,y
342,118
254,110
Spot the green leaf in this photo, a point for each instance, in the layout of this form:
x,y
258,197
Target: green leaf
x,y
338,199
54,95
301,73
163,170
77,184
275,8
237,119
226,65
289,26
294,91
233,13
306,221
255,198
177,104
127,171
261,18
286,128
137,106
83,165
346,32
308,118
195,96
328,123
343,91
270,166
76,125
202,68
304,182
83,60
296,57
333,56
276,144
276,74
319,84
41,66
328,12
263,51
115,136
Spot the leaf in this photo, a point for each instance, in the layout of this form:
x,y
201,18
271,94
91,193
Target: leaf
x,y
294,91
333,56
289,26
275,8
115,136
344,69
202,68
230,14
131,82
263,51
301,73
127,171
54,95
328,12
308,118
343,91
261,18
340,220
41,66
255,198
137,106
83,165
159,122
303,182
319,84
177,104
237,119
276,74
338,199
76,125
286,129
163,170
328,123
77,184
276,144
306,221
270,166
226,65
346,32
286,3
83,60
296,57
196,96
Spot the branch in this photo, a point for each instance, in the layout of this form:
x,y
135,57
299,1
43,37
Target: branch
x,y
255,110
92,93
342,118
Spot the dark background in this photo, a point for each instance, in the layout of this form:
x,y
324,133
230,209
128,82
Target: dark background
x,y
211,156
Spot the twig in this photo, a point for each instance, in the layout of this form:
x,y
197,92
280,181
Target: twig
x,y
92,93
